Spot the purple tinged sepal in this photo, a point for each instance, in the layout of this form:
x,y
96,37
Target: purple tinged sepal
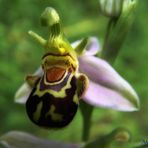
x,y
25,89
23,93
106,87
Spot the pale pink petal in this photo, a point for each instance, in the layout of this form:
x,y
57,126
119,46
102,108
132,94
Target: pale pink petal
x,y
98,95
107,88
39,72
24,91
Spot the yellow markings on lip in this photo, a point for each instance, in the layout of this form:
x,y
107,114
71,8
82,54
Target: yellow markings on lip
x,y
63,60
54,116
75,99
56,59
57,94
37,113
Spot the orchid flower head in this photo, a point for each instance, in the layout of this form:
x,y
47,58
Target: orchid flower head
x,y
106,87
68,74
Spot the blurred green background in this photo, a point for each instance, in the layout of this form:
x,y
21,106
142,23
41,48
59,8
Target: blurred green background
x,y
20,55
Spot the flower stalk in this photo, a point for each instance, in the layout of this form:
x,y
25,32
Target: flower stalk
x,y
117,31
86,111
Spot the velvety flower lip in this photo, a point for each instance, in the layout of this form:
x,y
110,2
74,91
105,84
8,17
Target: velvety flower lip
x,y
106,87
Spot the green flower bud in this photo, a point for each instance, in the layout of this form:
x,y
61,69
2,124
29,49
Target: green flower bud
x,y
111,8
49,17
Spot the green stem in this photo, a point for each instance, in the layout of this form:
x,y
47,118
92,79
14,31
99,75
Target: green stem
x,y
86,111
110,24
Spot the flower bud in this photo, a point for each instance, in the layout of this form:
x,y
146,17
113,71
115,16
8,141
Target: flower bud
x,y
111,8
49,17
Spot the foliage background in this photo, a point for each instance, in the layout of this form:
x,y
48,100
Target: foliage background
x,y
19,55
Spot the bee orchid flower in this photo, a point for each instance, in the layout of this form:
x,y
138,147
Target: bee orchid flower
x,y
69,73
106,87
